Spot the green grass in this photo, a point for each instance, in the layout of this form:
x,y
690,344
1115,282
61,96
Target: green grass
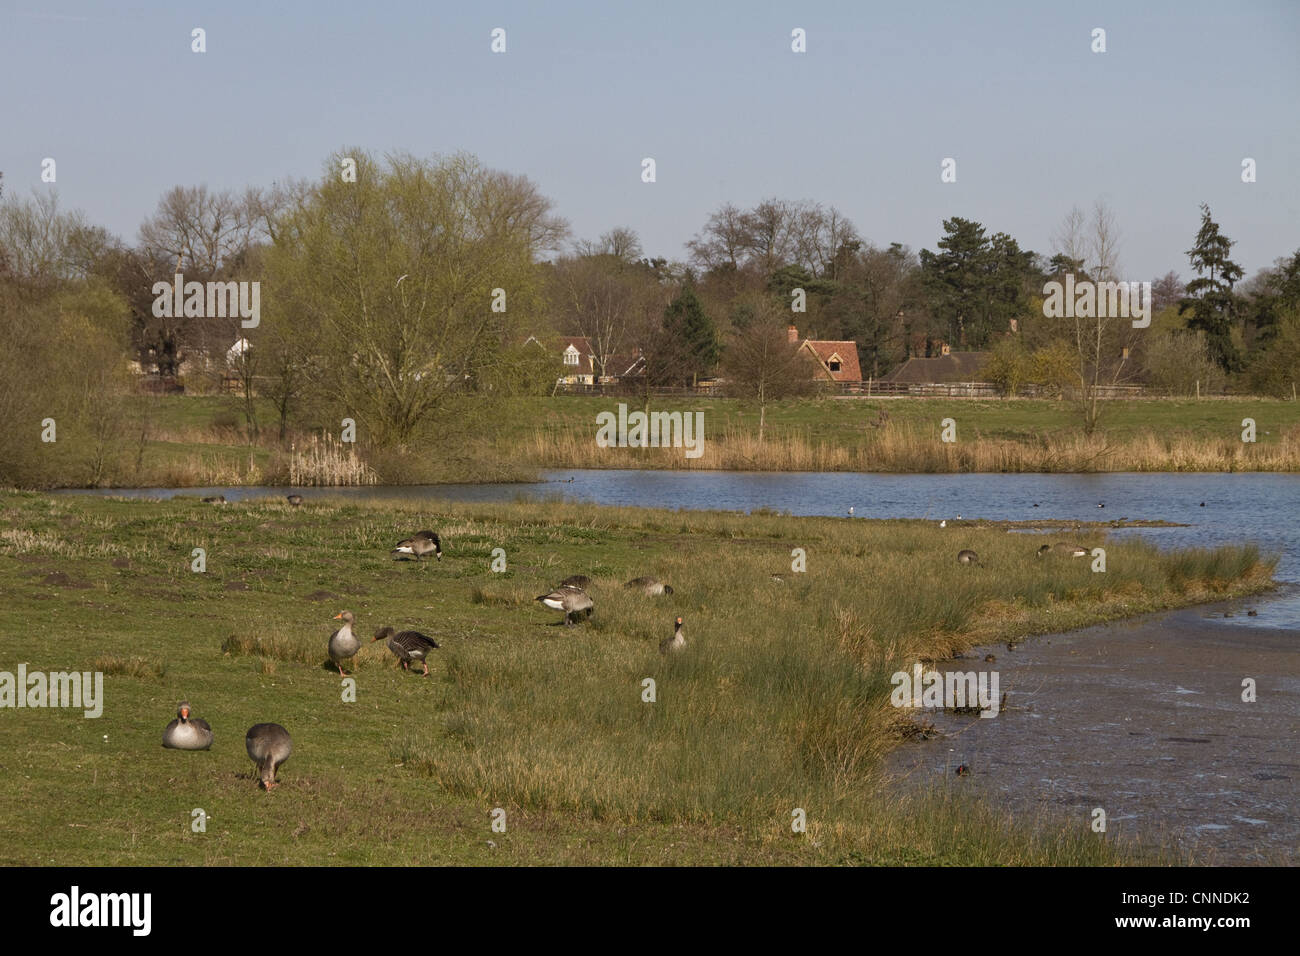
x,y
780,701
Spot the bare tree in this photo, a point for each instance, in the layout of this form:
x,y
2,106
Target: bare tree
x,y
762,365
1101,343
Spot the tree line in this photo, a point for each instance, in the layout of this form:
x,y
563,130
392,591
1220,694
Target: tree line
x,y
409,294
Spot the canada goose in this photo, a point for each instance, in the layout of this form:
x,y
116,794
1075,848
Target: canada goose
x,y
576,581
294,500
967,556
570,600
215,500
408,646
269,746
420,544
650,586
1063,549
343,643
186,732
675,643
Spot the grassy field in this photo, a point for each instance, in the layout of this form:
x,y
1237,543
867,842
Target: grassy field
x,y
197,441
780,701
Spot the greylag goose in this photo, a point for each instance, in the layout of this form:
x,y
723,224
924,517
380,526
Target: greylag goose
x,y
343,643
576,581
215,500
269,745
967,556
1063,549
420,544
186,732
651,586
408,646
294,500
570,600
675,643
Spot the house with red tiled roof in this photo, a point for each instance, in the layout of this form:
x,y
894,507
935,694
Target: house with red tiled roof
x,y
835,361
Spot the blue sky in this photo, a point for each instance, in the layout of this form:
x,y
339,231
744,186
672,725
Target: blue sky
x,y
1036,121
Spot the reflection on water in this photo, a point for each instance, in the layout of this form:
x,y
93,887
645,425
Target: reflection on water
x,y
1218,508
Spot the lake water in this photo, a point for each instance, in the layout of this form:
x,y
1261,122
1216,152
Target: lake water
x,y
1264,508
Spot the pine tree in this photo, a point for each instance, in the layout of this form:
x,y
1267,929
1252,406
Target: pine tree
x,y
691,338
1210,298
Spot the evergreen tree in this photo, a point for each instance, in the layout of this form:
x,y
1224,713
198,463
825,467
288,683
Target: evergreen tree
x,y
691,339
1210,298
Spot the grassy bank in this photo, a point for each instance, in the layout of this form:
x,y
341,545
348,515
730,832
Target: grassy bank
x,y
198,441
780,702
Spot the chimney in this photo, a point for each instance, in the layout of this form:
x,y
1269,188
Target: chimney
x,y
794,334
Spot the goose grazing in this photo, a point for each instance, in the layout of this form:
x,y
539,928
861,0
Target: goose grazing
x,y
343,643
649,586
269,746
576,581
570,600
294,500
1063,549
675,643
967,556
186,732
408,646
215,500
420,544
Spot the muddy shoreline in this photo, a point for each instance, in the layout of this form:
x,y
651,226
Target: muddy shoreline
x,y
1145,719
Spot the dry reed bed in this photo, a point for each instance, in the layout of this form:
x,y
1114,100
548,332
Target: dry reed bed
x,y
903,449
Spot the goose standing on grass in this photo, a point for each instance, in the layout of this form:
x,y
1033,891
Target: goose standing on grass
x,y
675,643
570,600
649,586
576,581
408,646
215,500
269,746
294,500
343,643
967,556
186,732
420,544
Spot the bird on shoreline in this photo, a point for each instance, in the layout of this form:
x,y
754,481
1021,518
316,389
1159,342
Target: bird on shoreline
x,y
407,646
343,643
420,544
294,500
186,732
675,643
649,586
967,556
215,500
268,746
572,601
1063,549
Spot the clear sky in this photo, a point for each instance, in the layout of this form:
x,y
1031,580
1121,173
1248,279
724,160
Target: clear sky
x,y
1012,91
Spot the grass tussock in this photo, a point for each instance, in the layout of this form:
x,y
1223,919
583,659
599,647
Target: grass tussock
x,y
137,667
